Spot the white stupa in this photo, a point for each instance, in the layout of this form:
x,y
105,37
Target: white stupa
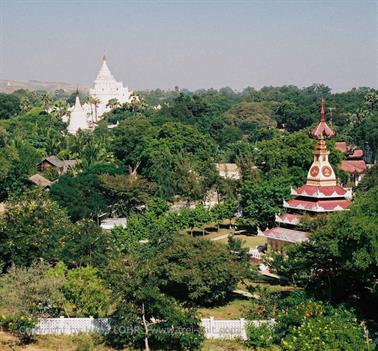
x,y
105,87
78,117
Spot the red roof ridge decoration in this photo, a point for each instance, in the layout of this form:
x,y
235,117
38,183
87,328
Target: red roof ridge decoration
x,y
318,205
288,218
322,130
323,191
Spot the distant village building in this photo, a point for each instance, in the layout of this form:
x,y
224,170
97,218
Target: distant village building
x,y
40,181
354,162
320,194
111,223
54,162
105,88
228,170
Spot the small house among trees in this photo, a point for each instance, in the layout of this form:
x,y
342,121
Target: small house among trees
x,y
228,170
41,181
354,164
53,162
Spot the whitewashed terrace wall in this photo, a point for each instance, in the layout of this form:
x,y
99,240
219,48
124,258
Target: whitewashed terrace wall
x,y
214,329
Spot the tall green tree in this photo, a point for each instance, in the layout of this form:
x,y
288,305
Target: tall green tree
x,y
198,272
9,105
33,227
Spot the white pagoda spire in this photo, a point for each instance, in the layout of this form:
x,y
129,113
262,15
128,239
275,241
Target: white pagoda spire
x,y
104,74
105,87
78,117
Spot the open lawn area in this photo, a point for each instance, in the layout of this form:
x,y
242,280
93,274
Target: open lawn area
x,y
231,345
272,287
232,310
93,343
249,241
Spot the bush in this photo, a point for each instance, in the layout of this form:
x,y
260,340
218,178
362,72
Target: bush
x,y
259,336
294,316
20,326
339,331
86,293
198,272
31,291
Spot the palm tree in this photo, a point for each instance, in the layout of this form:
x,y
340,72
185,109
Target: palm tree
x,y
26,105
46,101
371,100
60,108
95,101
113,103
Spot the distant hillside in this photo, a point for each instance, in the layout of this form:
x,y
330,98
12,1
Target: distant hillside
x,y
9,86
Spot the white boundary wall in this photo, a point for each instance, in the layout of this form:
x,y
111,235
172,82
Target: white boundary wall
x,y
214,329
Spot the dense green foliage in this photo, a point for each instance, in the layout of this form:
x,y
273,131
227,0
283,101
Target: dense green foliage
x,y
44,291
340,261
302,323
198,271
157,167
9,105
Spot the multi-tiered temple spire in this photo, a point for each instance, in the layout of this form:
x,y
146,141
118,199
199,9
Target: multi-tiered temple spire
x,y
320,194
322,130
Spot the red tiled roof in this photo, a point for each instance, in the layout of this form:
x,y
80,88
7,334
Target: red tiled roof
x,y
322,129
289,218
318,205
347,149
326,190
341,146
353,166
285,234
358,153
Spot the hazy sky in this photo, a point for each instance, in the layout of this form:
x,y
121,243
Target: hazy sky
x,y
192,44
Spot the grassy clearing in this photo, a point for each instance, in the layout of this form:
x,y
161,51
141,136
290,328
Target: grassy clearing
x,y
231,345
79,342
248,241
232,310
224,345
215,234
271,286
88,343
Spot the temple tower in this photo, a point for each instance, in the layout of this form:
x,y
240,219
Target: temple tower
x,y
105,87
320,194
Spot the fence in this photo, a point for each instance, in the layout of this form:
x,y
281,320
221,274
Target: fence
x,y
214,329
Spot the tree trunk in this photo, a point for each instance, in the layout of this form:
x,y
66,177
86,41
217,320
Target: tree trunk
x,y
146,345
